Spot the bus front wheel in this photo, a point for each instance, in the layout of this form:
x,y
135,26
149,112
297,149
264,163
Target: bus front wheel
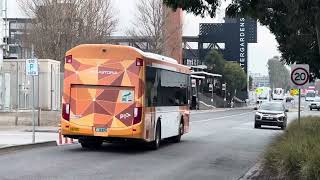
x,y
177,138
157,139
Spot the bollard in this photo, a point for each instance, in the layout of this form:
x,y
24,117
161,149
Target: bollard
x,y
64,140
60,135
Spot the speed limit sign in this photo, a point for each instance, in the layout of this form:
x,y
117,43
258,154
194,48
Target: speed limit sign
x,y
299,75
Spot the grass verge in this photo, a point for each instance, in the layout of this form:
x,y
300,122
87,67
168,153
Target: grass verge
x,y
295,154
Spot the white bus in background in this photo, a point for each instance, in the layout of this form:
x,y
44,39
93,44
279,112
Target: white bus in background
x,y
278,94
263,94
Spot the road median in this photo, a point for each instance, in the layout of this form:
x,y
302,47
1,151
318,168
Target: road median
x,y
295,153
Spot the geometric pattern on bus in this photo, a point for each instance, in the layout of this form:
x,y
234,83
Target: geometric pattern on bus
x,y
106,109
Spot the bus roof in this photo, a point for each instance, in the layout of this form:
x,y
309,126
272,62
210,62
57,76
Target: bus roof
x,y
157,57
142,53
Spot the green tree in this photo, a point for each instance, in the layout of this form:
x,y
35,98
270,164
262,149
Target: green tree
x,y
215,62
235,77
278,73
295,23
198,7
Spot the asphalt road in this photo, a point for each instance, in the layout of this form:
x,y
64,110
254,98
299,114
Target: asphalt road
x,y
221,145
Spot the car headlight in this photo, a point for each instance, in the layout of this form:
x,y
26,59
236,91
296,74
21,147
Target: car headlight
x,y
281,116
258,116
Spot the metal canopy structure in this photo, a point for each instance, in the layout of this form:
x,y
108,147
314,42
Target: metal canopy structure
x,y
206,73
197,77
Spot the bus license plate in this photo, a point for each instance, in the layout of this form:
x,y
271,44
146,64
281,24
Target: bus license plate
x,y
101,129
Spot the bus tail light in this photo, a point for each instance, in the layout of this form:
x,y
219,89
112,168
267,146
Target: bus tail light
x,y
139,62
137,115
66,111
68,59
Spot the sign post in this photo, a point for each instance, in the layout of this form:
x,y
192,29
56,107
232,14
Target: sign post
x,y
299,78
32,70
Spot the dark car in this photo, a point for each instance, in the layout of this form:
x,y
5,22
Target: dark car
x,y
271,114
289,98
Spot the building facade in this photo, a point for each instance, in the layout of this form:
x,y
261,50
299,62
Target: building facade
x,y
259,80
17,38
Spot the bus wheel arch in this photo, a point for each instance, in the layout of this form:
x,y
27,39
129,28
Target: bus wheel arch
x,y
177,138
154,145
181,126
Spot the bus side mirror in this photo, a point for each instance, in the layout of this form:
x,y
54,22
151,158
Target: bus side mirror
x,y
287,110
255,108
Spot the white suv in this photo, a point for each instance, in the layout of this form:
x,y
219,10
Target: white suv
x,y
315,104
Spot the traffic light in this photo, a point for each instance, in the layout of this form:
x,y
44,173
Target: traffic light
x,y
312,78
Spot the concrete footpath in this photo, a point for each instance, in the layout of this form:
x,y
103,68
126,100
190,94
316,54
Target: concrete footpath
x,y
22,135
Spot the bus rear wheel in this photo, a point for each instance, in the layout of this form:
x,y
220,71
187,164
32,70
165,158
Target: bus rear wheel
x,y
91,144
154,145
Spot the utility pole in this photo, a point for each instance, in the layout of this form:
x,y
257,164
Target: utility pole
x,y
33,113
3,33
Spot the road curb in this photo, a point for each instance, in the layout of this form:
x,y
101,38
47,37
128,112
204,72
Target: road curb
x,y
42,131
14,148
253,172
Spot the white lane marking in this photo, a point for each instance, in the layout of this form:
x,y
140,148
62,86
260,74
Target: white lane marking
x,y
223,117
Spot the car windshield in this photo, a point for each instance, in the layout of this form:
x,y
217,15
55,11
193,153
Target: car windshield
x,y
272,107
311,94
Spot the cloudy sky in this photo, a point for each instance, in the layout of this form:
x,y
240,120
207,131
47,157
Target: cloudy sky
x,y
258,54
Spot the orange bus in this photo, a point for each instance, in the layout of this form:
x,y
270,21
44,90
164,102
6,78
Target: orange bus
x,y
114,93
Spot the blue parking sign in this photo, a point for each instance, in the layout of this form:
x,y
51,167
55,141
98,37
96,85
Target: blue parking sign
x,y
32,67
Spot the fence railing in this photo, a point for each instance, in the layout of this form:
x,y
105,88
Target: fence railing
x,y
16,90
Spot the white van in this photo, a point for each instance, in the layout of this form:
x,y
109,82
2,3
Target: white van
x,y
278,94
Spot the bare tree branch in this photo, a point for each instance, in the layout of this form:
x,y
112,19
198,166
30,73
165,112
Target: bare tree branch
x,y
59,25
150,22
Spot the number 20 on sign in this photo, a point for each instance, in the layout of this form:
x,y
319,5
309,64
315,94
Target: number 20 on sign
x,y
299,75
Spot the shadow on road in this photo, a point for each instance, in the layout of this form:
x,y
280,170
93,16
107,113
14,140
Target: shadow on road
x,y
123,148
271,128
